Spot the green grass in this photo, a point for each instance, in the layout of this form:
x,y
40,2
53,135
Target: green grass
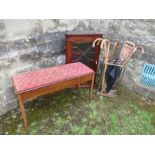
x,y
71,112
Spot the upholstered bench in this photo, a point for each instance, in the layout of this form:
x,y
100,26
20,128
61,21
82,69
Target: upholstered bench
x,y
29,85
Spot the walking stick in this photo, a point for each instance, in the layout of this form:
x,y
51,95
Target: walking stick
x,y
108,56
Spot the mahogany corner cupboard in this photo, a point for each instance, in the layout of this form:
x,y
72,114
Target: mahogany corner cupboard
x,y
79,48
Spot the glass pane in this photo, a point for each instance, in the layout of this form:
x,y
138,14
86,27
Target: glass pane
x,y
84,53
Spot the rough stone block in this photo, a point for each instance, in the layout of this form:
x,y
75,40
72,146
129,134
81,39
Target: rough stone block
x,y
50,37
46,62
42,47
33,56
9,94
127,83
57,45
2,110
3,47
60,60
2,25
31,41
4,56
1,98
50,25
39,38
68,24
22,68
4,80
48,53
13,54
10,105
140,89
151,93
21,44
50,45
3,51
149,55
81,25
28,50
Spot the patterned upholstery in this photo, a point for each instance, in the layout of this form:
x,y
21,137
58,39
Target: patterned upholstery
x,y
125,52
27,81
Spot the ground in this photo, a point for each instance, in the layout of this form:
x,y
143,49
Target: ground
x,y
70,112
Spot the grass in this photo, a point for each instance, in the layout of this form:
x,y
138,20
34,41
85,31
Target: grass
x,y
71,112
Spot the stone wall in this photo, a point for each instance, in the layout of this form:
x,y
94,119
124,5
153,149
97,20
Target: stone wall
x,y
32,44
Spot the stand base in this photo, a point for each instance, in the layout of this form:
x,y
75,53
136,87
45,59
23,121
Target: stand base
x,y
111,95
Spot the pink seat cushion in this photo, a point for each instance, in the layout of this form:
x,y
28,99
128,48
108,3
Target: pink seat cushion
x,y
27,81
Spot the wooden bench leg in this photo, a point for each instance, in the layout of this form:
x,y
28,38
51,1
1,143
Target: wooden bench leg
x,y
22,109
78,86
91,87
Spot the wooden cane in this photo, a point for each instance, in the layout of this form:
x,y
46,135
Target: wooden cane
x,y
108,56
105,44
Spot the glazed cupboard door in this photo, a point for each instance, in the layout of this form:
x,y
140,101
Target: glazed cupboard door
x,y
79,48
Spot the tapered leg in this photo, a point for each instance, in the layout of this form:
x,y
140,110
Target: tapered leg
x,y
22,109
91,88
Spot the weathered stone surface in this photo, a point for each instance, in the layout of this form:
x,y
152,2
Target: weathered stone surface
x,y
50,25
33,56
11,104
4,64
2,29
36,38
81,25
1,98
140,89
61,59
129,84
51,61
46,62
9,94
4,80
151,93
17,29
149,55
127,79
20,68
54,36
42,47
3,51
2,26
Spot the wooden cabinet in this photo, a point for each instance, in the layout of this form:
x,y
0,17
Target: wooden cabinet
x,y
79,48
